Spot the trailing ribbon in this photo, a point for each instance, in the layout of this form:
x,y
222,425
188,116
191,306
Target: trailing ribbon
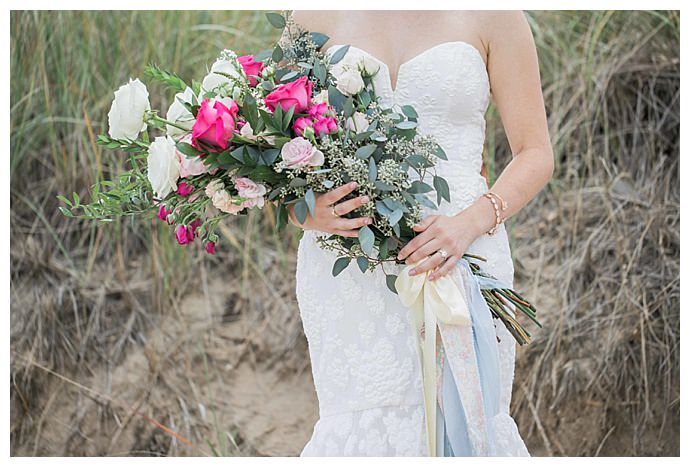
x,y
431,301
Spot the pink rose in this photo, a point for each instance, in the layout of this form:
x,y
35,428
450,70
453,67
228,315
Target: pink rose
x,y
193,226
296,93
254,192
318,110
301,124
184,189
214,126
299,152
211,248
190,166
251,68
163,213
325,126
184,235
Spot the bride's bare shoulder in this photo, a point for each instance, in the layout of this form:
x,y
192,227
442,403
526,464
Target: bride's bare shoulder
x,y
315,20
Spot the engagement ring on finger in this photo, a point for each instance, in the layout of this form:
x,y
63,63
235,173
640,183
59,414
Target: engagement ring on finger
x,y
443,253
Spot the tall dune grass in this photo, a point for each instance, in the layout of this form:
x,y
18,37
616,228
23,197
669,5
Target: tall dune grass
x,y
598,250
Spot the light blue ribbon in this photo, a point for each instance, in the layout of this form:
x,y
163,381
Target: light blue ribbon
x,y
452,433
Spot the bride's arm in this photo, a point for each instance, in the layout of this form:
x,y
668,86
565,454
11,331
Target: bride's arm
x,y
516,89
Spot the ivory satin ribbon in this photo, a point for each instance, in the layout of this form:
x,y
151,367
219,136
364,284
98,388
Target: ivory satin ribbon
x,y
434,301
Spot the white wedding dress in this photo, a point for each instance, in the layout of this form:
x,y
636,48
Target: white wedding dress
x,y
363,354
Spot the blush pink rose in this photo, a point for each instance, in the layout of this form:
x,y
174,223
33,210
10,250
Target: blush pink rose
x,y
301,124
251,68
295,94
254,192
299,152
214,126
190,166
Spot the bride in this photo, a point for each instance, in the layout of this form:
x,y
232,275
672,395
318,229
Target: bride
x,y
363,351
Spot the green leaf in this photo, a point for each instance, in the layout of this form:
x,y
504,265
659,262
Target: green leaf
x,y
364,98
335,98
390,282
339,54
442,189
440,153
281,217
340,265
406,125
373,171
310,199
298,182
419,187
187,149
417,161
395,217
363,263
320,72
409,111
276,20
349,107
301,210
366,240
277,54
289,76
319,39
365,151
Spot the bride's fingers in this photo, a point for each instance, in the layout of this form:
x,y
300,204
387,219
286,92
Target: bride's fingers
x,y
445,268
350,205
425,250
414,244
424,223
429,264
335,195
351,224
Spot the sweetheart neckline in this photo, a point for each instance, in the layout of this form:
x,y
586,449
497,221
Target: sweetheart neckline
x,y
413,58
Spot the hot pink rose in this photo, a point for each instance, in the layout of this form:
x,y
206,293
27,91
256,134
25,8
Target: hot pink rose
x,y
214,126
254,192
211,248
193,226
163,213
318,110
184,189
301,124
296,93
325,126
184,235
251,68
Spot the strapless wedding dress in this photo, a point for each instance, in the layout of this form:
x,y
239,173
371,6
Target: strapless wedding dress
x,y
363,354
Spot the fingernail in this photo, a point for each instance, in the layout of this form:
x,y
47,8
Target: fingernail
x,y
367,221
365,200
431,277
412,272
353,184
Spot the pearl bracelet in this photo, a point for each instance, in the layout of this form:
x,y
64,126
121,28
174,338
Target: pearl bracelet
x,y
492,197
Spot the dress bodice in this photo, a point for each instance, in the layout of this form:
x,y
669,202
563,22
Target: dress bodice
x,y
448,86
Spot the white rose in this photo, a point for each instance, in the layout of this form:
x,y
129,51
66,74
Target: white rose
x,y
126,116
163,166
350,82
178,113
357,123
369,66
213,80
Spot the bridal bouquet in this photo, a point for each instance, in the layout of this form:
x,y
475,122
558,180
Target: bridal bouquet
x,y
279,126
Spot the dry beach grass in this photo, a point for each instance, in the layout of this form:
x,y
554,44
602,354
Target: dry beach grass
x,y
124,343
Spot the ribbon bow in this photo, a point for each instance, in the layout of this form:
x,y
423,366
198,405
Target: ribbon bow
x,y
431,301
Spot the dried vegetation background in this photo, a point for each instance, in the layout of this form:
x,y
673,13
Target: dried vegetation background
x,y
123,343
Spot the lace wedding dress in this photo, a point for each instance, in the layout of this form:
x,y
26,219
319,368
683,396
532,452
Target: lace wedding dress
x,y
364,358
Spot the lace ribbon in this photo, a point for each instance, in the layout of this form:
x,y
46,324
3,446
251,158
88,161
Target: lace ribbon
x,y
454,303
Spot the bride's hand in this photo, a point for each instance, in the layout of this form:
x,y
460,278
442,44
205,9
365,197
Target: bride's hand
x,y
452,234
328,211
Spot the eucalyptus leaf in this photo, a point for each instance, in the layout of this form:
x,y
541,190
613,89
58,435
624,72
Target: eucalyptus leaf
x,y
395,217
442,189
310,199
363,263
276,20
390,282
339,54
366,239
301,211
365,151
373,172
340,265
